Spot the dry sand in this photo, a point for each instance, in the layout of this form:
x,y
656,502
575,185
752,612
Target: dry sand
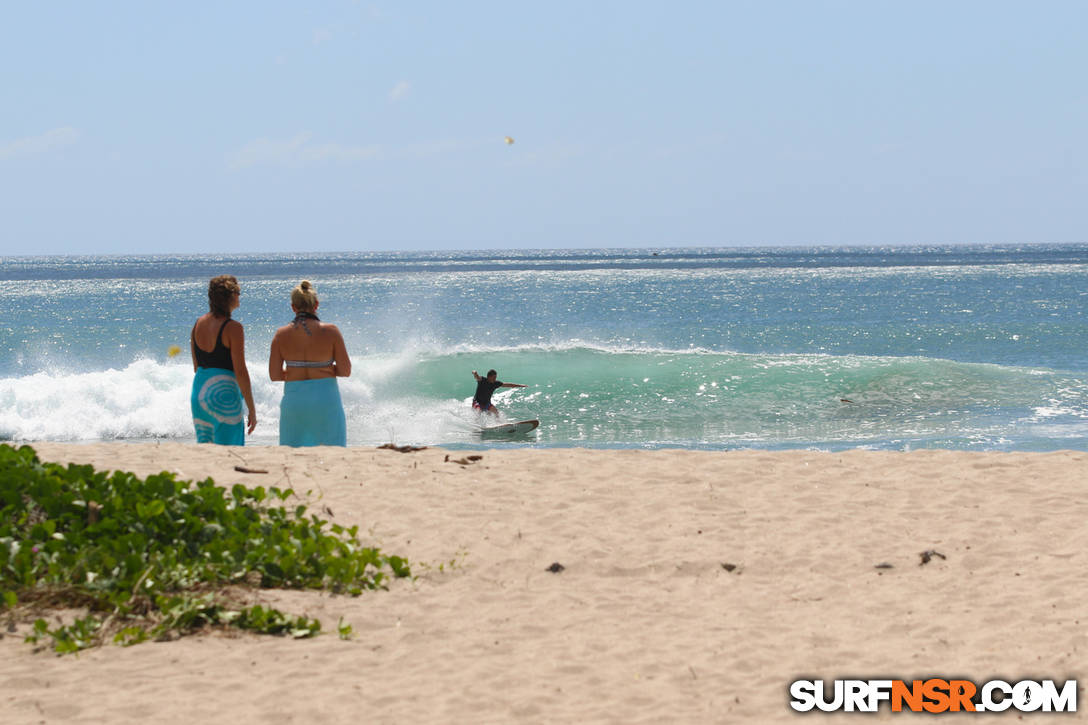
x,y
645,624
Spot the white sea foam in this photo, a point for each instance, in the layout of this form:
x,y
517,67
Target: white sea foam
x,y
144,400
150,399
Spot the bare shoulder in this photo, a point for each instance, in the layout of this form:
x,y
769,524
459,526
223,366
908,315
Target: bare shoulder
x,y
233,330
331,328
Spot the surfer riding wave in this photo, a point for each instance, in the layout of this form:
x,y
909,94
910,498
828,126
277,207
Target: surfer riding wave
x,y
485,388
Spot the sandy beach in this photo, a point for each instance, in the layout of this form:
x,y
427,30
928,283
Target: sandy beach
x,y
695,587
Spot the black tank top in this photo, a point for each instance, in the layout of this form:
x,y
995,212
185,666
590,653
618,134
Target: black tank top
x,y
219,357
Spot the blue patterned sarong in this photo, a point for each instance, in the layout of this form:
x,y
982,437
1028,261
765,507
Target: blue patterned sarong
x,y
311,414
217,407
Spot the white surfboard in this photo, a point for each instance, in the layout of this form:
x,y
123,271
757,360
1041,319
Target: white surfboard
x,y
508,429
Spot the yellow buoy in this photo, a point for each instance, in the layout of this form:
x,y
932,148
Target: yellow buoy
x,y
508,140
172,351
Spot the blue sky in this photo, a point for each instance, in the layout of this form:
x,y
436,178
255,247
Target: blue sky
x,y
286,126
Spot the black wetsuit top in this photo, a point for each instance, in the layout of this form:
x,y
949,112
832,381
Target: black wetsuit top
x,y
484,390
219,357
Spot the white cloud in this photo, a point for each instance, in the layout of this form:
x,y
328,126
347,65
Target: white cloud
x,y
322,36
57,138
301,151
401,90
297,151
556,155
443,147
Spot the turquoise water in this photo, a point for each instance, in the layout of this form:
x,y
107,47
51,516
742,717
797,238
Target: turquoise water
x,y
976,347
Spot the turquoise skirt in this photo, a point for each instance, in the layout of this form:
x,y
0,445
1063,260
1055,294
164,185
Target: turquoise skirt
x,y
311,414
217,407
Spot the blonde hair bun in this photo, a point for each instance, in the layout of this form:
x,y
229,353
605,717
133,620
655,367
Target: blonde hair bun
x,y
304,297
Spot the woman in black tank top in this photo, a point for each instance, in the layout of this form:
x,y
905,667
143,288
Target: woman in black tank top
x,y
221,380
217,358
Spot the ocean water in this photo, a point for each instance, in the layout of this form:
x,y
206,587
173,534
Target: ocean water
x,y
960,347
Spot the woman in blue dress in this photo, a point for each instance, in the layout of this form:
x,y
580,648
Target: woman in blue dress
x,y
221,380
309,355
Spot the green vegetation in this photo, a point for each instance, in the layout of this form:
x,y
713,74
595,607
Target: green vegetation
x,y
154,558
